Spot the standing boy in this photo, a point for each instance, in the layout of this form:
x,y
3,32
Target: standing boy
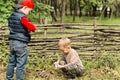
x,y
70,62
20,28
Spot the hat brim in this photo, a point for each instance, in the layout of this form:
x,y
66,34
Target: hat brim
x,y
17,6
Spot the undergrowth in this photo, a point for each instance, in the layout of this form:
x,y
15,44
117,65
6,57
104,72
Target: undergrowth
x,y
41,67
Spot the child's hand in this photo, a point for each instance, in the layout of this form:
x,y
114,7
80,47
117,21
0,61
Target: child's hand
x,y
55,63
58,67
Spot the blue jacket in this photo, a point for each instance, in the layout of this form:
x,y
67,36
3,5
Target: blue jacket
x,y
17,30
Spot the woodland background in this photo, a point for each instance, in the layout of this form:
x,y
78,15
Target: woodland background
x,y
92,25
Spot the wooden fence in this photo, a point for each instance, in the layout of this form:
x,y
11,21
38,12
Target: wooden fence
x,y
84,37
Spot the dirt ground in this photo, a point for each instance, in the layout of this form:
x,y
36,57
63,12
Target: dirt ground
x,y
2,73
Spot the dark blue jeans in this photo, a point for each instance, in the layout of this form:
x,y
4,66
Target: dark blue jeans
x,y
17,58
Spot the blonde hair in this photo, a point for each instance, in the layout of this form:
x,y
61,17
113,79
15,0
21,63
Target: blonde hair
x,y
64,42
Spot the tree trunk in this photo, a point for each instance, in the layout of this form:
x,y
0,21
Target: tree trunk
x,y
53,16
63,11
105,12
75,10
80,8
54,3
54,13
71,2
66,8
94,10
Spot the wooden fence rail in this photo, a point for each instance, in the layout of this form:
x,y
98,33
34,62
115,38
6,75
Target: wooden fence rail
x,y
84,37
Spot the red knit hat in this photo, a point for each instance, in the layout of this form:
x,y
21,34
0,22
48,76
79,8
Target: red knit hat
x,y
28,3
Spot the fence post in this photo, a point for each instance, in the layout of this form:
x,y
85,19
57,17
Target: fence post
x,y
95,37
45,30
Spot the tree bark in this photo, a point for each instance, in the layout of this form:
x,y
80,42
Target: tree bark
x,y
105,12
71,2
80,8
94,10
63,11
54,4
53,16
75,10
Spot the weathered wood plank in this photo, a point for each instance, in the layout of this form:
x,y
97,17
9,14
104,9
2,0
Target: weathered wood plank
x,y
84,39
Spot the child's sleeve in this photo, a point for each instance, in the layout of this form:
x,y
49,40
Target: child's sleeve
x,y
29,25
61,59
73,59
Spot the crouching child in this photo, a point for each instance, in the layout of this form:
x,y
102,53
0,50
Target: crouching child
x,y
69,62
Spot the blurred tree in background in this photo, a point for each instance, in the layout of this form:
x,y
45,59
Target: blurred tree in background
x,y
61,8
